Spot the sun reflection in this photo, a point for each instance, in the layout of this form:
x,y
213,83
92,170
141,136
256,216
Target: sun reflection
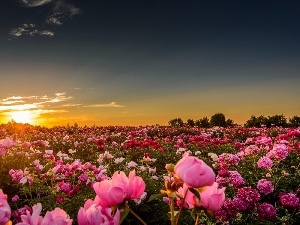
x,y
22,116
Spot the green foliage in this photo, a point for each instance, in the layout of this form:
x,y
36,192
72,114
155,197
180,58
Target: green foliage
x,y
218,119
203,122
177,122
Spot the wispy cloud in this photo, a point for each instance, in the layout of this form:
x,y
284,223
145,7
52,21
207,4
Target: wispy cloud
x,y
34,3
15,103
59,12
71,105
30,30
109,105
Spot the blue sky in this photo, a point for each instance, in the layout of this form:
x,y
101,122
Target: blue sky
x,y
146,62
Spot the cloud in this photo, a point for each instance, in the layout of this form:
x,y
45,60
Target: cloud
x,y
110,105
30,30
59,12
53,20
12,102
35,3
71,105
19,103
20,107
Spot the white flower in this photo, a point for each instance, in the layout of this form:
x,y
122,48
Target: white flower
x,y
119,160
131,164
197,153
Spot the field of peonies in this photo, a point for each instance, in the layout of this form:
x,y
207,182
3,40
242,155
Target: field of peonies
x,y
149,175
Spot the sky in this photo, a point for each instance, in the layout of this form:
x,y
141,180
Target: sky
x,y
145,62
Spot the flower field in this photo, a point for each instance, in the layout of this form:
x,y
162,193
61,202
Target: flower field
x,y
148,175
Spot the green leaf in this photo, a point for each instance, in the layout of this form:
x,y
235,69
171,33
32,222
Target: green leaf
x,y
124,214
195,192
155,196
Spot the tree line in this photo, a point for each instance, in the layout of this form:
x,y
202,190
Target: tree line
x,y
220,120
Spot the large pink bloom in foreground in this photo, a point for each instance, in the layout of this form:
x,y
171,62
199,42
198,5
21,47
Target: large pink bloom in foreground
x,y
119,188
56,217
91,214
5,211
212,198
194,172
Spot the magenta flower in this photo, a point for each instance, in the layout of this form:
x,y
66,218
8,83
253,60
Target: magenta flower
x,y
249,195
194,172
265,163
15,198
264,186
5,211
91,214
289,200
266,211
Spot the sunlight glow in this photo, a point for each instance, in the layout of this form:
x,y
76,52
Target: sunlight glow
x,y
22,116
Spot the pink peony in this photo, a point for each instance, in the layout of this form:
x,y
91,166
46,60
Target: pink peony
x,y
289,200
265,163
194,172
35,218
266,211
91,214
119,188
56,217
5,211
264,186
212,198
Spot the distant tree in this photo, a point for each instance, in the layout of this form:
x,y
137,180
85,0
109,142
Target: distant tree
x,y
190,122
218,120
229,123
277,120
294,121
177,122
204,122
256,121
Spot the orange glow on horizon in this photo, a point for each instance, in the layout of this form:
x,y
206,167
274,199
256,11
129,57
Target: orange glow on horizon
x,y
22,117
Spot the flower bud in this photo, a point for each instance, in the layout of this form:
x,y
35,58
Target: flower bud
x,y
170,167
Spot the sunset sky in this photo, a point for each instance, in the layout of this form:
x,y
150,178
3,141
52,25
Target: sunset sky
x,y
126,62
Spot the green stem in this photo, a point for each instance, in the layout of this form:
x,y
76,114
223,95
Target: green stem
x,y
181,207
197,218
139,218
172,211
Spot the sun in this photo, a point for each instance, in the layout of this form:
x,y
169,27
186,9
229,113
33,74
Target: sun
x,y
22,116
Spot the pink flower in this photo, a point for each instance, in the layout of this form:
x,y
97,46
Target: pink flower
x,y
191,201
35,218
6,143
266,211
119,188
289,200
91,214
15,198
265,163
5,211
56,217
194,172
264,186
212,198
